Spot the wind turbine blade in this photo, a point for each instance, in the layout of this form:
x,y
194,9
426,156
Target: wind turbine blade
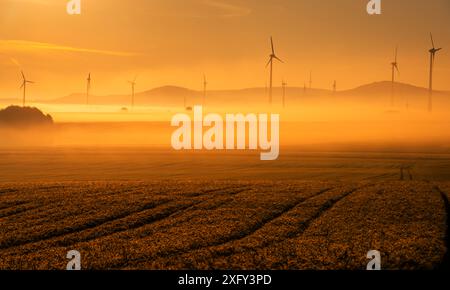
x,y
277,58
396,67
270,60
271,42
30,82
396,53
22,85
23,76
432,41
438,49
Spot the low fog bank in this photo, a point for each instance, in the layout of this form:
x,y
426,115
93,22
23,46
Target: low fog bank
x,y
392,136
330,122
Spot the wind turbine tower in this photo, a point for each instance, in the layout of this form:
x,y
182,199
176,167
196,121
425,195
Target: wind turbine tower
x,y
284,84
265,89
88,88
133,85
205,84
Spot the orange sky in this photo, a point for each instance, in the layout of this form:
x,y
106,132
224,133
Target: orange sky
x,y
176,41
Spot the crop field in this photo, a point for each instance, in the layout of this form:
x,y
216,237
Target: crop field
x,y
235,224
137,208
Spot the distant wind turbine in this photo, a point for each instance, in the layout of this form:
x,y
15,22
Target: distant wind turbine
x,y
430,89
205,84
394,65
24,86
334,87
88,88
284,84
271,58
133,84
265,89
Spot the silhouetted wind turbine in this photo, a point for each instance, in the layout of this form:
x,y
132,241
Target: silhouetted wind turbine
x,y
88,88
284,84
430,89
394,65
24,86
265,89
133,84
205,84
271,58
334,87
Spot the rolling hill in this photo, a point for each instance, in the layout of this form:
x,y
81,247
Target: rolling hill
x,y
384,88
175,96
23,116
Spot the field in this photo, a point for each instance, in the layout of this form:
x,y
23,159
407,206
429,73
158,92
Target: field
x,y
154,209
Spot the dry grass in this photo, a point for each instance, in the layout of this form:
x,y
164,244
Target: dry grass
x,y
223,225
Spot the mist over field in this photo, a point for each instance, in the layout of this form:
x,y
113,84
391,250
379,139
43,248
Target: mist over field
x,y
315,119
87,160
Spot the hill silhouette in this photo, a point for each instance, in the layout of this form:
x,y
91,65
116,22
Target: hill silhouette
x,y
383,88
23,116
168,91
166,95
174,95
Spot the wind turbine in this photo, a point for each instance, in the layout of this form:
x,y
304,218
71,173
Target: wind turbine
x,y
205,84
334,87
394,65
24,86
133,84
284,84
271,58
88,88
265,89
430,89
